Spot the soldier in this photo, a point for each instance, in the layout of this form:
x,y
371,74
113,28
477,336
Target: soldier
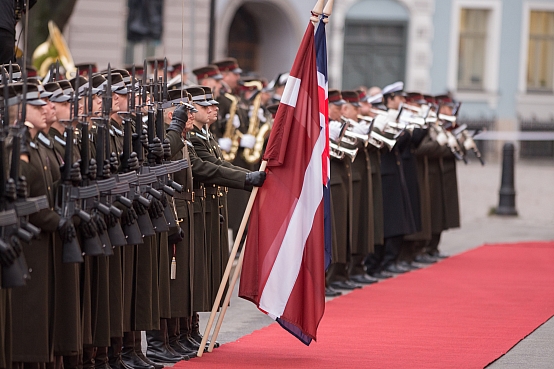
x,y
362,194
397,209
211,77
341,203
32,306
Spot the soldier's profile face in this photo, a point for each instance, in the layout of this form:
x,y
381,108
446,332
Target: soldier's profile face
x,y
334,112
49,111
350,111
36,116
62,110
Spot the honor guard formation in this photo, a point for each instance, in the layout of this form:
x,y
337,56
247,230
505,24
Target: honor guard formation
x,y
119,188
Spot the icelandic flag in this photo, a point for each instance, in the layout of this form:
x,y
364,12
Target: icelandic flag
x,y
284,261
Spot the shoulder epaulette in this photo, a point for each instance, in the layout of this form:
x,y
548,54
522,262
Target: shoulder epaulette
x,y
45,140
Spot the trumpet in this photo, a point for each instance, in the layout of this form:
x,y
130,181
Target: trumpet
x,y
381,140
339,152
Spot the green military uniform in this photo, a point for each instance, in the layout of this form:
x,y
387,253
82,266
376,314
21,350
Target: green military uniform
x,y
182,252
208,150
67,338
341,196
33,305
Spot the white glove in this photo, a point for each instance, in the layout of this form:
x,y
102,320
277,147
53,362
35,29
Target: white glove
x,y
334,130
236,121
247,141
261,115
452,142
361,128
380,122
225,144
441,138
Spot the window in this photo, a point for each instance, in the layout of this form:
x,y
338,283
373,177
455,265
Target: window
x,y
540,64
472,48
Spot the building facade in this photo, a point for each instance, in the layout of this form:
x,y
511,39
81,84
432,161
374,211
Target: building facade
x,y
496,56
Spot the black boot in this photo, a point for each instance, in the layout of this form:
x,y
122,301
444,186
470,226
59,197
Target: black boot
x,y
128,357
101,360
140,354
195,331
184,335
173,339
158,350
88,357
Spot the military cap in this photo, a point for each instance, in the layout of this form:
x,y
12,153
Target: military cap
x,y
209,71
361,95
31,71
66,87
280,80
43,93
415,97
83,68
57,92
16,70
198,96
32,96
155,62
396,88
179,97
125,74
228,65
445,100
273,109
98,81
335,97
83,86
178,67
118,85
375,99
209,95
351,97
139,70
430,99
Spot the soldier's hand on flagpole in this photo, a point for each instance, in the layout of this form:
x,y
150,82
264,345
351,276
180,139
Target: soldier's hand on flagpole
x,y
255,179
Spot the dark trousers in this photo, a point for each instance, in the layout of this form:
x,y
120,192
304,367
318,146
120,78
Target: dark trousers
x,y
433,245
393,246
373,261
7,45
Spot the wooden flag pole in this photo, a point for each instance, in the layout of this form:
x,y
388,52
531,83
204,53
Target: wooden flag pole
x,y
229,264
238,269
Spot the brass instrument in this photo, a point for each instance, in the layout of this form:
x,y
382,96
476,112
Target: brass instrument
x,y
339,152
371,137
254,154
231,132
54,48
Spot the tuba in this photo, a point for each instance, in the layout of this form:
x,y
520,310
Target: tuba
x,y
231,132
54,48
253,155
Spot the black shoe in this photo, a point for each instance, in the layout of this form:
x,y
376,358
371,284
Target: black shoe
x,y
380,275
396,269
158,349
425,259
130,360
195,333
147,360
180,349
342,285
330,292
438,255
362,279
408,266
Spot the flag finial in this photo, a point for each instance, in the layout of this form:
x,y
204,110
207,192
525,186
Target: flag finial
x,y
327,11
316,11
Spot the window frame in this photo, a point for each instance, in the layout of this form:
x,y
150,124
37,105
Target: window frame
x,y
528,7
489,91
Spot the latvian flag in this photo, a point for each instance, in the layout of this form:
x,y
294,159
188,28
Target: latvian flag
x,y
284,263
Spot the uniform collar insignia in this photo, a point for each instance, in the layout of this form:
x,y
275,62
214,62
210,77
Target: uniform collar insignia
x,y
45,140
57,138
33,145
117,131
189,143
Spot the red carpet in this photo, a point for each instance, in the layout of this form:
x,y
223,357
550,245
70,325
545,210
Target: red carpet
x,y
463,312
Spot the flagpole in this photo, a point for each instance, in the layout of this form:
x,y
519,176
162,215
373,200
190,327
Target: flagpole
x,y
229,265
238,268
